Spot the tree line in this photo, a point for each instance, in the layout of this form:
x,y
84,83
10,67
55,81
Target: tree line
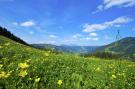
x,y
4,32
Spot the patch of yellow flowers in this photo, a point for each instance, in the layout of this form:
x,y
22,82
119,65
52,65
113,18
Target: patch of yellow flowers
x,y
59,82
23,72
46,54
1,47
3,74
97,69
113,76
37,80
1,66
23,65
7,44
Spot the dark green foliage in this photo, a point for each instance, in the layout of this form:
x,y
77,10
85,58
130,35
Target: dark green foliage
x,y
6,33
105,55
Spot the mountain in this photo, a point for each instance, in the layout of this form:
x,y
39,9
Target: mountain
x,y
67,48
125,47
4,32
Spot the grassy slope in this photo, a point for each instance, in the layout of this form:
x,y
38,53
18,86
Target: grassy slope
x,y
75,72
124,46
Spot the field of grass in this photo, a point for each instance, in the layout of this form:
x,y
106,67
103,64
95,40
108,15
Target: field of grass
x,y
23,67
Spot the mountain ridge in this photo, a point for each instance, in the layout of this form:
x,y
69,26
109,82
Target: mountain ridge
x,y
66,48
125,47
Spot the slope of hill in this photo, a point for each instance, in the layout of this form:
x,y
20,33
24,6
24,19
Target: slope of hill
x,y
124,46
67,48
6,33
23,67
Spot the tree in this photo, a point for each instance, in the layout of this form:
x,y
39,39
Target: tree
x,y
4,32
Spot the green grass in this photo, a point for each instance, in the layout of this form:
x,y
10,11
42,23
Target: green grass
x,y
75,72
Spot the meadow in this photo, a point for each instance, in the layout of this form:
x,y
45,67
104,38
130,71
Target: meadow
x,y
23,67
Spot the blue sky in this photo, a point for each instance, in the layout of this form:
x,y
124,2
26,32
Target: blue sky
x,y
70,22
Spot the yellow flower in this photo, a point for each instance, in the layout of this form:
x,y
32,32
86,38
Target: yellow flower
x,y
30,79
46,54
28,60
3,74
98,69
37,80
1,47
1,66
113,76
7,44
23,65
23,73
59,82
7,75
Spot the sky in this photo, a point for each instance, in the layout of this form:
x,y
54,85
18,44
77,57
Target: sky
x,y
69,22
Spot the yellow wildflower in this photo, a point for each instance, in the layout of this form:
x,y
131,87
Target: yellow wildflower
x,y
113,76
98,69
23,73
3,74
0,47
37,80
30,78
46,54
28,60
59,82
23,65
7,44
1,66
7,75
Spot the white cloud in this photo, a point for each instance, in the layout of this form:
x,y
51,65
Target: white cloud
x,y
95,38
27,23
90,38
117,26
15,23
52,36
76,36
93,34
50,42
111,3
121,3
24,24
105,25
47,42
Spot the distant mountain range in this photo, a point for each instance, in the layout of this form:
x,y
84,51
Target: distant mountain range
x,y
125,47
67,48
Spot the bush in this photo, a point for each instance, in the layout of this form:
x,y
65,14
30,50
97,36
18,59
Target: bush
x,y
105,55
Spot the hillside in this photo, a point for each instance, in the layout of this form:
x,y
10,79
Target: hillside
x,y
125,46
67,48
4,32
23,67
